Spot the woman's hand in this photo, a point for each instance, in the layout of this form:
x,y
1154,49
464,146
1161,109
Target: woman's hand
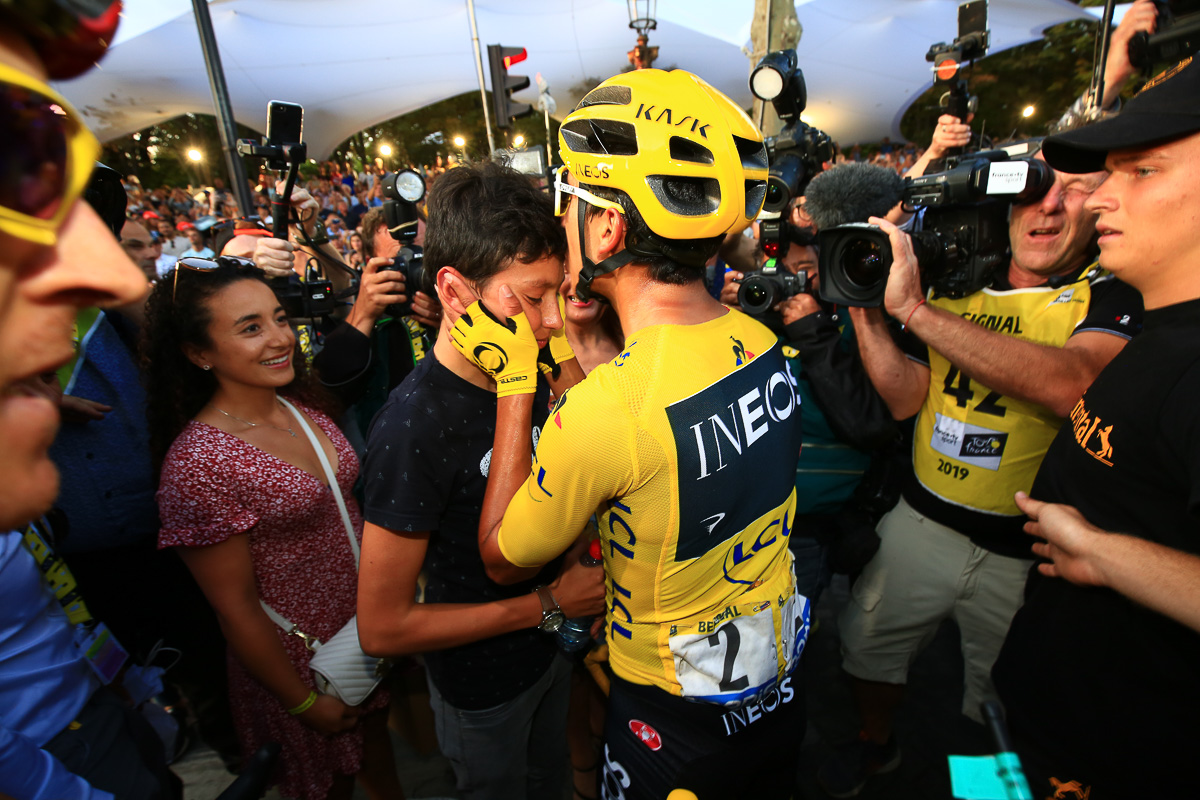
x,y
329,715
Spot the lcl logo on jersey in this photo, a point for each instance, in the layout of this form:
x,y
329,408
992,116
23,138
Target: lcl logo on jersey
x,y
645,734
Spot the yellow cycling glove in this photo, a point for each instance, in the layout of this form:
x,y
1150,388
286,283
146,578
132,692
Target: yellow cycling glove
x,y
507,351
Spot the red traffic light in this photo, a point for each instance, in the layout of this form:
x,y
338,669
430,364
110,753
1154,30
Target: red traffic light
x,y
510,60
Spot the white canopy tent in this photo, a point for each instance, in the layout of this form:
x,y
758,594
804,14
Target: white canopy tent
x,y
354,63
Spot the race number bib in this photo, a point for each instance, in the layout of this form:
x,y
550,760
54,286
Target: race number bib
x,y
740,658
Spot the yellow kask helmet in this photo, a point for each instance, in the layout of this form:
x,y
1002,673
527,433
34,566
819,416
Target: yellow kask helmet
x,y
691,161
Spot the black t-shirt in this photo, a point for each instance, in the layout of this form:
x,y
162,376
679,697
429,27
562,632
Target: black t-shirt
x,y
428,452
1115,308
1095,682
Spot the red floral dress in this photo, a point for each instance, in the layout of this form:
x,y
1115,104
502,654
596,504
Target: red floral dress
x,y
213,486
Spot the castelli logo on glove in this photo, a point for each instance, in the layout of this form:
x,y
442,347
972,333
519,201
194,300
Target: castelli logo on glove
x,y
491,358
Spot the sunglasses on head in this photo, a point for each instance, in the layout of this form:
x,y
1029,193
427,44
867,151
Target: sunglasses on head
x,y
49,156
196,264
562,189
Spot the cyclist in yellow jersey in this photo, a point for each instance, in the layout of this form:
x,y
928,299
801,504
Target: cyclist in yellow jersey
x,y
990,377
685,445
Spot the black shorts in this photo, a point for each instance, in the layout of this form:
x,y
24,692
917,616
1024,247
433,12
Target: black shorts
x,y
655,742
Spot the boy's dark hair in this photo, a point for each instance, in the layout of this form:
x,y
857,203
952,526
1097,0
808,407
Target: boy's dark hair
x,y
485,215
679,261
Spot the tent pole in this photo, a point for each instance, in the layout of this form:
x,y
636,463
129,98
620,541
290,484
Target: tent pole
x,y
487,121
225,126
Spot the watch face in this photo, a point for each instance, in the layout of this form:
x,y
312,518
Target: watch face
x,y
552,621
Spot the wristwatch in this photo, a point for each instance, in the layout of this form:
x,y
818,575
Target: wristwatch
x,y
552,613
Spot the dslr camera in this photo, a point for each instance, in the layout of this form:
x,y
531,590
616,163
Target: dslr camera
x,y
965,229
403,190
762,290
1176,36
796,154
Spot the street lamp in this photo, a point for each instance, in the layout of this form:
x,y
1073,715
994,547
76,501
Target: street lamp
x,y
518,141
1028,112
385,150
195,156
460,142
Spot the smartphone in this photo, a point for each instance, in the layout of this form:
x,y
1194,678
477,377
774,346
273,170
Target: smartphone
x,y
285,123
972,18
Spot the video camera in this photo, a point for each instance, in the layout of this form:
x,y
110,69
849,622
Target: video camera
x,y
796,154
403,190
965,235
1177,35
284,149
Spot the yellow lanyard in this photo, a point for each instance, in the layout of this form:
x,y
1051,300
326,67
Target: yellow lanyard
x,y
58,576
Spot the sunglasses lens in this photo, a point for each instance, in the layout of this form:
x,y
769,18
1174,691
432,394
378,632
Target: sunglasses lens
x,y
33,131
560,197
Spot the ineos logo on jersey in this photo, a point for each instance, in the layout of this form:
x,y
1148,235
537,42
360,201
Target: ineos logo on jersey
x,y
748,420
491,358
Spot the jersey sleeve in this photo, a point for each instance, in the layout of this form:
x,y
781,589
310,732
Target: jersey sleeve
x,y
1116,308
405,487
584,457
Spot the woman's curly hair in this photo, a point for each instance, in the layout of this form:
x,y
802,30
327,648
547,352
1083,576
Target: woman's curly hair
x,y
176,389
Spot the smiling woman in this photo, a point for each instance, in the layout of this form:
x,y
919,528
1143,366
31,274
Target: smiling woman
x,y
246,499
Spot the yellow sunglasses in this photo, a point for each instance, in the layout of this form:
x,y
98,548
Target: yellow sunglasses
x,y
49,157
561,188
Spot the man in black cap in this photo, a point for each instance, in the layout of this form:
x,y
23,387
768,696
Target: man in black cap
x,y
1099,670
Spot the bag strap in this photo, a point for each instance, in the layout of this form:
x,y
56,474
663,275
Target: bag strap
x,y
311,642
333,484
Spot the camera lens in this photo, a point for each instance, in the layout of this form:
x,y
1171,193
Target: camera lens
x,y
863,263
756,295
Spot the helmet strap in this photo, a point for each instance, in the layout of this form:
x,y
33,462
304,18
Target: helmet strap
x,y
589,269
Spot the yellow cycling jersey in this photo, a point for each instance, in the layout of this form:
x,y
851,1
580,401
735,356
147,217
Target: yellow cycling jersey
x,y
685,445
972,446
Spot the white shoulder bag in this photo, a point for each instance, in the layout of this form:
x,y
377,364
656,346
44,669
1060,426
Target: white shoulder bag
x,y
339,666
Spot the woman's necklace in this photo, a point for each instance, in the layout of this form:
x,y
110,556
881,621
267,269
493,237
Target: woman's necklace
x,y
258,424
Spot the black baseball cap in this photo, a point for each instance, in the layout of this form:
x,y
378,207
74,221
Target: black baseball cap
x,y
1166,108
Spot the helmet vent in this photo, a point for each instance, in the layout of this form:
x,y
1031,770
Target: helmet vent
x,y
687,150
756,194
686,196
600,137
606,96
753,154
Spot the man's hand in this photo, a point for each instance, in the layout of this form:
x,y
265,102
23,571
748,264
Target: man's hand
x,y
504,348
798,307
426,310
1141,17
305,206
579,589
377,289
274,257
729,292
903,293
950,132
81,410
1070,541
329,715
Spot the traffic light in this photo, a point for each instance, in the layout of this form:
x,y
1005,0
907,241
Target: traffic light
x,y
503,85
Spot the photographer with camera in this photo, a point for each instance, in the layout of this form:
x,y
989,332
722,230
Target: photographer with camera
x,y
1098,671
846,425
990,376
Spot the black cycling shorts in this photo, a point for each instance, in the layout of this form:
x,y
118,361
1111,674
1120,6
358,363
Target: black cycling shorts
x,y
655,742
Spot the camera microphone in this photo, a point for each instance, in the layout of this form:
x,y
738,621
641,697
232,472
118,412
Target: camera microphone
x,y
852,193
